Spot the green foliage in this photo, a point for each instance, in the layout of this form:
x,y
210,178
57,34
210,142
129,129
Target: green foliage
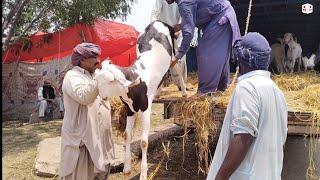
x,y
66,13
52,15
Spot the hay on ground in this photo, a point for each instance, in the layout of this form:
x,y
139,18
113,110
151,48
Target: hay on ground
x,y
302,93
200,113
119,113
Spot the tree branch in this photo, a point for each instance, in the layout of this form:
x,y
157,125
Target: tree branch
x,y
14,24
31,24
10,15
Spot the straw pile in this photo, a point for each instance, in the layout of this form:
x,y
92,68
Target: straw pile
x,y
200,113
118,113
295,82
305,91
302,93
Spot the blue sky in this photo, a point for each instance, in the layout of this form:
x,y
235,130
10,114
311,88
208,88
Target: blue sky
x,y
140,14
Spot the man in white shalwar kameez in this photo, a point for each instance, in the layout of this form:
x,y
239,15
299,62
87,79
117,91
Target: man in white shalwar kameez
x,y
169,14
86,147
254,130
48,94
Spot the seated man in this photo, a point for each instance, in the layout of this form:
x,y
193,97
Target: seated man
x,y
47,96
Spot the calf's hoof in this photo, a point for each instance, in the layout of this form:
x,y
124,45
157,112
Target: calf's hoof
x,y
143,176
127,170
127,173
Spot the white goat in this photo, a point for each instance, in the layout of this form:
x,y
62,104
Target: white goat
x,y
293,53
277,57
309,63
138,84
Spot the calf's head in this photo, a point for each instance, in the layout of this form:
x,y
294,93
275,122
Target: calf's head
x,y
112,82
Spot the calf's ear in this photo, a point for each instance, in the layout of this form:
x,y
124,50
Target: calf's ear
x,y
104,76
109,76
105,63
136,82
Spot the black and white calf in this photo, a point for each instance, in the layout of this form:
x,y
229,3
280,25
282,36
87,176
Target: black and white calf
x,y
137,85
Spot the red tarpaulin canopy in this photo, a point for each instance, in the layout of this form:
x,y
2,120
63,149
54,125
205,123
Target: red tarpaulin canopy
x,y
117,41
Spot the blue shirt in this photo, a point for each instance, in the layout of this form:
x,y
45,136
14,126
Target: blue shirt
x,y
196,13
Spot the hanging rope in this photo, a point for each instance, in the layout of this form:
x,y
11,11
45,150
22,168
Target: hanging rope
x,y
58,60
232,84
59,47
248,17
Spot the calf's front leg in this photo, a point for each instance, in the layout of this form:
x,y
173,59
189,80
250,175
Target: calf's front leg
x,y
145,117
128,139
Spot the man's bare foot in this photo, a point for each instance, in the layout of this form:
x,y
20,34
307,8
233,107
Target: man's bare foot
x,y
41,119
61,114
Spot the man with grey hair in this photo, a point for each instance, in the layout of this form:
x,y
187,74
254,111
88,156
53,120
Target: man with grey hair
x,y
48,96
86,144
169,14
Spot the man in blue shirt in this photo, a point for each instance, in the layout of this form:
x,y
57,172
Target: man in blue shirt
x,y
218,22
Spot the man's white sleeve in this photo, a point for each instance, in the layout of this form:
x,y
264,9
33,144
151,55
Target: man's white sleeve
x,y
245,110
155,13
82,92
40,94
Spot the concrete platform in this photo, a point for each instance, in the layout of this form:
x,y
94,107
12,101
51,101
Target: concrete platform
x,y
47,162
296,157
48,158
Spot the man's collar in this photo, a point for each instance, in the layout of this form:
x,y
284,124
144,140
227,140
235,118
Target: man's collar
x,y
254,73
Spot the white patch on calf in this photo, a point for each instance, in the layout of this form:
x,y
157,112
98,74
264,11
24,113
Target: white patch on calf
x,y
155,59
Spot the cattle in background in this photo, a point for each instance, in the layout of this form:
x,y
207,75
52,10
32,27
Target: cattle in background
x,y
277,57
317,64
137,85
293,53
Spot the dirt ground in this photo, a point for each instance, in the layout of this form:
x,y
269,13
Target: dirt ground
x,y
170,168
20,142
19,147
